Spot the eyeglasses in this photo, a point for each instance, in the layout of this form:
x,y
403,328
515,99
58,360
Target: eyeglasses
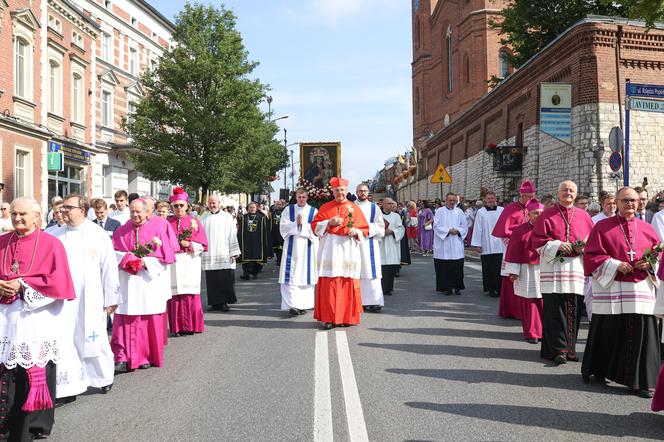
x,y
67,208
178,205
4,208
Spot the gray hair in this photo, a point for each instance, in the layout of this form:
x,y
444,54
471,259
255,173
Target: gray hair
x,y
36,208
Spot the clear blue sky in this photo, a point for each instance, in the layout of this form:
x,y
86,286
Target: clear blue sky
x,y
339,68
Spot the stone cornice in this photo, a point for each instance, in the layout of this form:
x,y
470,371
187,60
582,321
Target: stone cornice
x,y
76,17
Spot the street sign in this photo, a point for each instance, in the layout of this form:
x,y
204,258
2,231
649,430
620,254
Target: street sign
x,y
615,161
441,175
55,162
645,90
644,104
616,139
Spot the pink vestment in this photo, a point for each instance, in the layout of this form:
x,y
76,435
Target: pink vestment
x,y
513,215
140,339
518,252
185,312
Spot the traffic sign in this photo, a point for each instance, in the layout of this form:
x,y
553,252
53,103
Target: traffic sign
x,y
441,175
615,161
616,139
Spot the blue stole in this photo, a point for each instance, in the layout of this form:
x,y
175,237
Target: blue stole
x,y
371,243
289,252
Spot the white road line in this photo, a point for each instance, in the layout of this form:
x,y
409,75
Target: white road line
x,y
357,429
322,397
473,265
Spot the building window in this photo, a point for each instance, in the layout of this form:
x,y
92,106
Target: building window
x,y
106,109
418,32
78,95
417,101
55,88
55,23
519,134
133,61
134,22
22,174
131,111
448,39
107,175
22,68
503,64
77,39
107,47
70,180
155,37
108,5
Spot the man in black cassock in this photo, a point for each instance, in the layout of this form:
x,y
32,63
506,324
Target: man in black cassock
x,y
275,234
254,240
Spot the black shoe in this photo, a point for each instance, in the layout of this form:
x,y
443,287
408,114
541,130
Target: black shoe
x,y
396,275
646,394
376,308
328,326
388,294
245,277
301,312
559,360
254,276
214,307
448,293
120,367
344,325
531,340
175,335
294,312
65,400
224,307
106,389
457,292
144,366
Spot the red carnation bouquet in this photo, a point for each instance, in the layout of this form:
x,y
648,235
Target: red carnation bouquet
x,y
132,262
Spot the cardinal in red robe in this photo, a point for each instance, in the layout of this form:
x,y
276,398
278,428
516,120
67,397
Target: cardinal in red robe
x,y
341,227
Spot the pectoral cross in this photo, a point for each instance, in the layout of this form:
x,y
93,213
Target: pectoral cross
x,y
631,254
94,336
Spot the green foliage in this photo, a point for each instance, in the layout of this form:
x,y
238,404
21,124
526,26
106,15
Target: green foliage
x,y
648,10
200,124
527,26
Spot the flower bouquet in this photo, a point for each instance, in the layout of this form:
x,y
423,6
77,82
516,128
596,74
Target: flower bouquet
x,y
560,255
132,262
651,255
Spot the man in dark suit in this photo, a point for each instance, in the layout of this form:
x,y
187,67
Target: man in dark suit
x,y
102,219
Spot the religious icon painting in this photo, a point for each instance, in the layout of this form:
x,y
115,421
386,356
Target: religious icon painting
x,y
319,162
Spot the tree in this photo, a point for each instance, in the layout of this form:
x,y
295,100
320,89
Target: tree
x,y
648,10
527,26
200,124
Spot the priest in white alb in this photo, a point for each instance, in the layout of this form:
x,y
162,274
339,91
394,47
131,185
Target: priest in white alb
x,y
622,258
94,271
219,261
371,276
450,229
298,269
144,251
390,245
491,248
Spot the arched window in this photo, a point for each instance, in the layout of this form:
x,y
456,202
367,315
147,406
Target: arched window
x,y
417,101
503,64
77,98
418,32
54,87
448,39
22,70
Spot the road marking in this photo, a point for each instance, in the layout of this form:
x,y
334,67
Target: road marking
x,y
473,265
357,429
322,397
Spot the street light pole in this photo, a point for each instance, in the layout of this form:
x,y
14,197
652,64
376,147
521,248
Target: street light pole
x,y
286,149
292,176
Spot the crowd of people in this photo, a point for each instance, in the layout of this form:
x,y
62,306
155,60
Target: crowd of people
x,y
86,292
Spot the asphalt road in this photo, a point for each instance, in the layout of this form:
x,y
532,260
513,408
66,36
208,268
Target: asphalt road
x,y
426,368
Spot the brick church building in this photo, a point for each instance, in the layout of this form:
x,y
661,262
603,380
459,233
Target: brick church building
x,y
495,137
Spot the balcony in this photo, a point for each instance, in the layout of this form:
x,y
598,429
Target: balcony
x,y
508,159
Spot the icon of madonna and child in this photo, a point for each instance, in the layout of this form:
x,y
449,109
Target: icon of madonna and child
x,y
320,163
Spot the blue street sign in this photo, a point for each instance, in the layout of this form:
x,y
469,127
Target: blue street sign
x,y
645,90
615,161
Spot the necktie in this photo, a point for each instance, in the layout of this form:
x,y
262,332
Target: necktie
x,y
101,224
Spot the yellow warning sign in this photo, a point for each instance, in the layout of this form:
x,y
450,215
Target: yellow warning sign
x,y
441,175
